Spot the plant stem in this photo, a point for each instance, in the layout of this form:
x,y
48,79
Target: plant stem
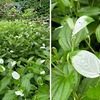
x,y
90,46
92,3
59,69
75,96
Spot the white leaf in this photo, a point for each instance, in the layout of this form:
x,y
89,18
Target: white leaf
x,y
11,51
81,23
13,63
1,61
87,64
19,93
15,75
42,72
42,61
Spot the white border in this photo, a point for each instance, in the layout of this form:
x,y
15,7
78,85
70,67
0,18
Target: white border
x,y
50,48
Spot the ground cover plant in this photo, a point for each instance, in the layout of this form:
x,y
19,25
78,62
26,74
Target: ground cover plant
x,y
24,52
24,61
75,50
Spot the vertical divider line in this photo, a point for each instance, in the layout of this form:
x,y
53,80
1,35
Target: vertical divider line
x,y
50,50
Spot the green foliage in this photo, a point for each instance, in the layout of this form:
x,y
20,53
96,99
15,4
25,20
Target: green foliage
x,y
24,60
75,28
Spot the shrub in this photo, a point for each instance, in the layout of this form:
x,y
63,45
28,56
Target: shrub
x,y
24,63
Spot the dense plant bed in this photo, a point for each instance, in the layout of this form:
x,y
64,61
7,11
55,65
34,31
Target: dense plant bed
x,y
75,50
24,60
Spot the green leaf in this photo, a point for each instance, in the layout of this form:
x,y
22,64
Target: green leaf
x,y
2,69
39,81
66,3
4,82
86,63
42,93
83,1
98,33
10,95
26,82
62,86
69,21
53,5
81,35
65,38
94,91
61,6
86,98
56,33
82,22
92,27
85,84
41,96
44,88
89,11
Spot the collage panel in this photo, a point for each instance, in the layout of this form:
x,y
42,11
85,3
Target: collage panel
x,y
24,50
49,49
75,50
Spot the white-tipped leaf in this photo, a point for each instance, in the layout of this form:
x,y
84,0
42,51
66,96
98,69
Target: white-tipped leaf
x,y
87,64
81,23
